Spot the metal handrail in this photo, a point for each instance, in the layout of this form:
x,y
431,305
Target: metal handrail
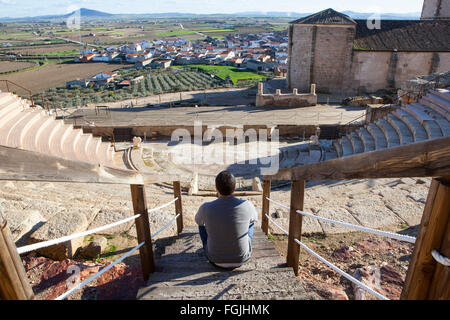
x,y
18,85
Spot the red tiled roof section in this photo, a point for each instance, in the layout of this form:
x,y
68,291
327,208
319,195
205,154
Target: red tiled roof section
x,y
404,35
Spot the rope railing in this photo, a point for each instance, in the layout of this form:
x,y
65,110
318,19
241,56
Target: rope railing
x,y
352,226
440,258
332,266
98,274
49,243
52,242
166,226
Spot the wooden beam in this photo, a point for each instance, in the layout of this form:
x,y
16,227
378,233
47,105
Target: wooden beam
x,y
13,278
422,159
143,230
295,224
178,205
265,206
433,234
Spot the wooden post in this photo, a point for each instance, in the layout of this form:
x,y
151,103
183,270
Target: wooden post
x,y
143,229
427,279
178,205
13,278
265,206
295,223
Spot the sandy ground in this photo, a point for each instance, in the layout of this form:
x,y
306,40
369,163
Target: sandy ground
x,y
349,250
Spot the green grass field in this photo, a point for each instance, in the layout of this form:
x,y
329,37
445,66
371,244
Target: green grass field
x,y
62,53
223,71
174,33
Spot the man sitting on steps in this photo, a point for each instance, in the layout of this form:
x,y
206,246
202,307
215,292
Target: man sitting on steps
x,y
226,225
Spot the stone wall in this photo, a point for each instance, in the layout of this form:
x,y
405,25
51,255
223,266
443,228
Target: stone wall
x,y
433,9
293,99
300,54
320,55
325,55
372,71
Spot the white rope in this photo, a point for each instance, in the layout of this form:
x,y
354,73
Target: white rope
x,y
163,206
440,258
353,226
98,274
49,243
332,266
284,231
346,275
73,236
361,228
165,227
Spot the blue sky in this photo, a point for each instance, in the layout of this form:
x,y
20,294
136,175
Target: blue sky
x,y
22,8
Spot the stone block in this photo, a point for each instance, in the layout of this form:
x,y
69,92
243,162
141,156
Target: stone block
x,y
59,226
22,223
95,248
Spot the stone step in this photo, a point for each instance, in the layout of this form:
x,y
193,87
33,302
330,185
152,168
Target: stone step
x,y
7,103
6,126
29,141
337,146
357,144
9,112
57,140
417,113
390,133
222,275
403,131
314,156
431,127
81,148
330,155
443,103
415,126
378,136
5,97
287,289
442,93
346,146
93,149
367,139
19,131
426,101
432,113
69,146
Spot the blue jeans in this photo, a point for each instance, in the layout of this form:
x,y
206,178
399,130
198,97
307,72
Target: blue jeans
x,y
204,234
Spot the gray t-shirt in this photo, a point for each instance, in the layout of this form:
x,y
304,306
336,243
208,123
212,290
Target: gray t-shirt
x,y
227,221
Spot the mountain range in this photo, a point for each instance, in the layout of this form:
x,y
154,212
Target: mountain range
x,y
88,13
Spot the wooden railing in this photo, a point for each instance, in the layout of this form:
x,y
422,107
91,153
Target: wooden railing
x,y
425,278
22,165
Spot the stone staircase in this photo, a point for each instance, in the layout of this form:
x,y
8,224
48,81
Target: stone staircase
x,y
427,119
32,128
184,273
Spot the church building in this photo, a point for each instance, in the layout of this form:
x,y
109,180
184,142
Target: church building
x,y
349,56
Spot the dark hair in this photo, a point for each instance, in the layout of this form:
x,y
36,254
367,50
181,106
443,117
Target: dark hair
x,y
225,183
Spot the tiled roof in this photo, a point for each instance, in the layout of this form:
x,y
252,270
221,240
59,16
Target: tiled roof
x,y
328,16
404,35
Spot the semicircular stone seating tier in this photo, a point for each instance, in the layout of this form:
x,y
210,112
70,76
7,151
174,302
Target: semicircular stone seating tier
x,y
32,128
427,119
